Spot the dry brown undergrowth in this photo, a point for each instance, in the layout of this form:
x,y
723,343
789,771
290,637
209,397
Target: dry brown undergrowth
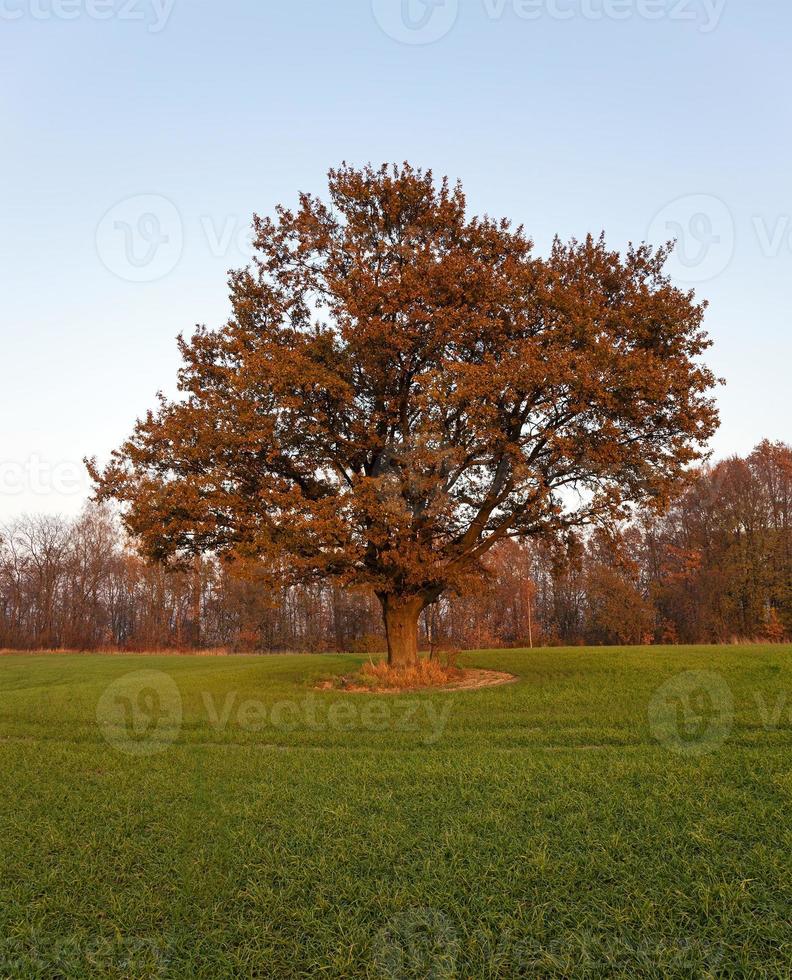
x,y
379,678
426,673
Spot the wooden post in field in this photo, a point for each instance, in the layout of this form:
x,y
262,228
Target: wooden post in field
x,y
530,614
196,603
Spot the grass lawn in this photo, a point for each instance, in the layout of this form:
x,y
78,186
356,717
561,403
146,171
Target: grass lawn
x,y
616,813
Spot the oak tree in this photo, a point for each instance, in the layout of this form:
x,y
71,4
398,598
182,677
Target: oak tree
x,y
400,386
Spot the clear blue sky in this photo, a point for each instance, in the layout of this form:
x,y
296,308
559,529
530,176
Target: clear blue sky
x,y
140,135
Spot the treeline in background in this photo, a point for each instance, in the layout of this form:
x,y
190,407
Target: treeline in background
x,y
717,567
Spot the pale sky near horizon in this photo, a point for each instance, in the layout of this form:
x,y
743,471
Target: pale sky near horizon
x,y
139,136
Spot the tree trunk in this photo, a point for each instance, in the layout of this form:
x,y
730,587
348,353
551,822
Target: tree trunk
x,y
401,628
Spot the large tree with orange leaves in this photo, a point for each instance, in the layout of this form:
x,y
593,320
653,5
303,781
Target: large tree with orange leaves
x,y
400,386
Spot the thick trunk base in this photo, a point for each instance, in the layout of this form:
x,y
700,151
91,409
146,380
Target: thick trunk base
x,y
401,628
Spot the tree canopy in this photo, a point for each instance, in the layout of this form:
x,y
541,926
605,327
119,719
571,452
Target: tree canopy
x,y
400,386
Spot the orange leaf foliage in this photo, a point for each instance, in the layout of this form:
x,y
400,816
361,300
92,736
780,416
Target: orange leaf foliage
x,y
400,386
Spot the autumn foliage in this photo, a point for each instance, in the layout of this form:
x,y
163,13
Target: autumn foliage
x,y
715,568
401,386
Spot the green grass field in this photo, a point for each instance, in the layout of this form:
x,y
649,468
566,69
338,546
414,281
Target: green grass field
x,y
616,813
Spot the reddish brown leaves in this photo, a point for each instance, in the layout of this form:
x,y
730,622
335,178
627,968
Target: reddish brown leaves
x,y
400,386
